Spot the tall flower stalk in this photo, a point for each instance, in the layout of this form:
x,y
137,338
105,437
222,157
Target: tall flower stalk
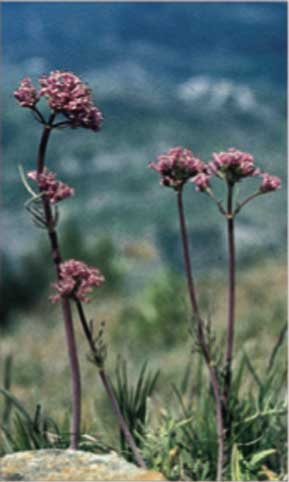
x,y
65,302
176,167
232,167
70,98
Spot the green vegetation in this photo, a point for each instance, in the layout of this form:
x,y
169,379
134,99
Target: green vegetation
x,y
171,415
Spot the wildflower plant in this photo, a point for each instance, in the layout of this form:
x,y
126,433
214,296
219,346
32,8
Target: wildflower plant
x,y
176,168
70,105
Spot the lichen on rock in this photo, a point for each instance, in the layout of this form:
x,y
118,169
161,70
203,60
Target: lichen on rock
x,y
71,465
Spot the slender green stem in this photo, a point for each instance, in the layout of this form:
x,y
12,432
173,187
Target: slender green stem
x,y
245,201
210,193
6,385
66,308
201,338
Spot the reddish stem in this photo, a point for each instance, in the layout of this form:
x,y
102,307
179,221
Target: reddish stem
x,y
75,374
231,299
109,390
124,428
201,337
66,308
186,253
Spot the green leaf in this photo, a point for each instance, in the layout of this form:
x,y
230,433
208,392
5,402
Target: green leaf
x,y
252,370
132,399
7,440
277,347
22,436
236,458
37,418
238,378
17,403
259,456
24,181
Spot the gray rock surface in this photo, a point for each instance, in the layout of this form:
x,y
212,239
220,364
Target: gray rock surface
x,y
74,465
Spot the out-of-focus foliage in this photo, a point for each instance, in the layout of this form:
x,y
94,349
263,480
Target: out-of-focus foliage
x,y
25,283
21,285
160,315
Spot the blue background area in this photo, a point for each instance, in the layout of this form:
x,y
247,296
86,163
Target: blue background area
x,y
203,75
83,35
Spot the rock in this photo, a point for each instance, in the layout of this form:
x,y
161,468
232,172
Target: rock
x,y
74,465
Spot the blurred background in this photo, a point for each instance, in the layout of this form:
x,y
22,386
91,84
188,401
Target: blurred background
x,y
207,76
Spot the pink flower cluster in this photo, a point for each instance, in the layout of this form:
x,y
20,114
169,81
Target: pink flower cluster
x,y
26,94
269,183
66,94
77,280
177,166
233,165
55,190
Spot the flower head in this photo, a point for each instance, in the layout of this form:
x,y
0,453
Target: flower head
x,y
26,94
55,190
269,183
76,279
67,94
233,165
177,166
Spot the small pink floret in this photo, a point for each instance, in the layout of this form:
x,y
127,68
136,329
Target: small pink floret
x,y
32,175
270,183
202,181
177,166
26,94
55,190
77,280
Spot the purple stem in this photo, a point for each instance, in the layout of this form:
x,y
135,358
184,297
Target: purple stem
x,y
202,341
109,390
186,253
75,374
231,300
66,308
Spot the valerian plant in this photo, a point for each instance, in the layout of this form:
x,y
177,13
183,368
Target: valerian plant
x,y
70,105
176,168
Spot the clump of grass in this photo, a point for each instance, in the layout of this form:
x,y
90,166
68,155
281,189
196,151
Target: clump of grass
x,y
183,445
133,400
